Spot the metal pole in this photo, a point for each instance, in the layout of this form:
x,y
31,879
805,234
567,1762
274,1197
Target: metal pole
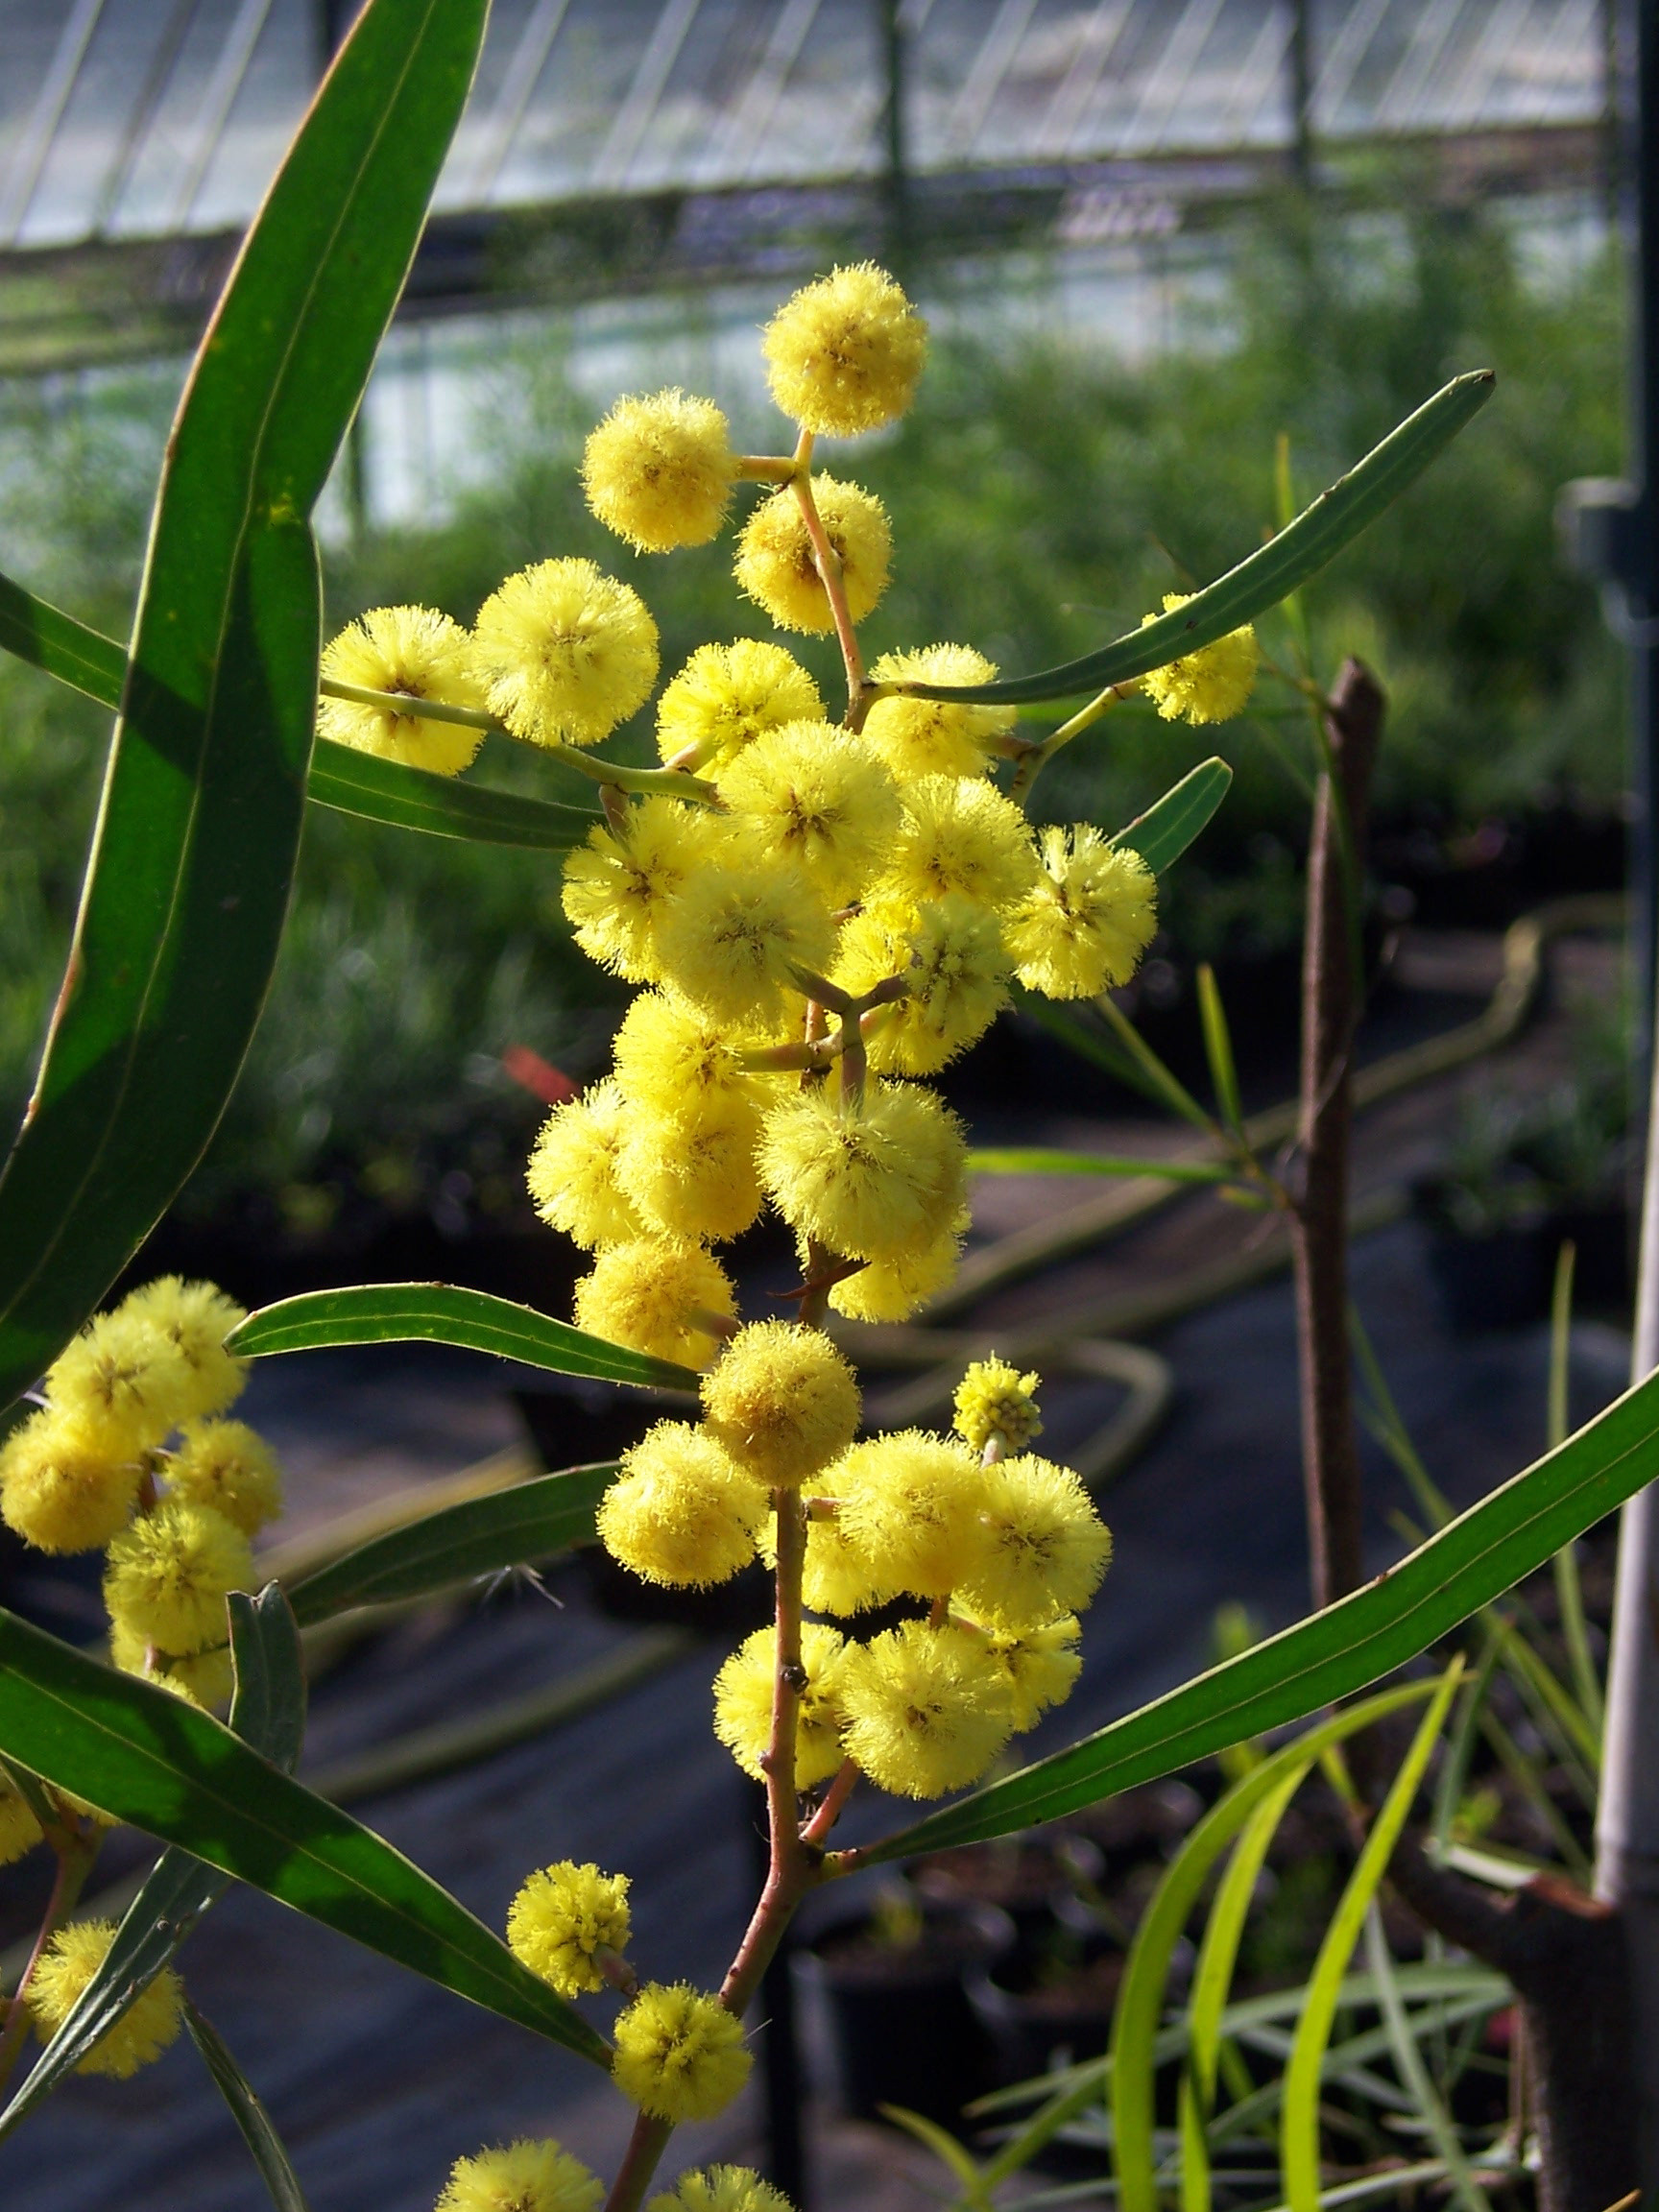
x,y
895,124
1302,92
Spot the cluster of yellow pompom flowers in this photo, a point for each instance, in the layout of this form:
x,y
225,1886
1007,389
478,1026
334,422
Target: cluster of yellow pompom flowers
x,y
129,1455
541,2177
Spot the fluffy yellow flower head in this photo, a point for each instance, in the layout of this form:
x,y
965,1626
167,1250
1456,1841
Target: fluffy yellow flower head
x,y
619,888
1042,1664
819,798
935,736
680,2054
774,561
562,1916
675,1060
658,471
693,1174
19,1830
892,1288
681,1512
911,1504
782,1400
654,1295
169,1573
229,1466
420,653
961,835
843,354
726,696
721,2189
994,1399
743,1703
59,1488
870,1178
1043,1547
205,1678
564,652
838,1576
927,1709
951,954
1210,685
193,1320
143,2031
157,1359
1083,926
731,941
572,1172
523,2176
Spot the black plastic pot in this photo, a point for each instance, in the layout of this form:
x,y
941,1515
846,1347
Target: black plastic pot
x,y
906,2030
1061,2014
1032,1879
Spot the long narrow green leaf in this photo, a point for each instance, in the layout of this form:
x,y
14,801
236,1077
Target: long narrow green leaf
x,y
1088,1044
1041,1160
1163,832
1299,2122
187,888
1331,1655
1414,2073
1141,1997
275,2170
1318,533
440,1313
142,1755
1218,1048
514,1528
268,1712
48,638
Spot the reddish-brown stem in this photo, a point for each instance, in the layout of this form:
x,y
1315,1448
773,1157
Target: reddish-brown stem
x,y
835,1798
74,1864
827,563
645,2147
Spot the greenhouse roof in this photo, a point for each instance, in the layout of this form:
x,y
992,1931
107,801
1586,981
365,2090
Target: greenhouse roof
x,y
128,119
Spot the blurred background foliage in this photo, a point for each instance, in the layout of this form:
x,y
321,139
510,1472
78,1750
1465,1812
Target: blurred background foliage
x,y
1048,488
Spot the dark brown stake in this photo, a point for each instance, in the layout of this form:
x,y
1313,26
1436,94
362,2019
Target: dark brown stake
x,y
1330,995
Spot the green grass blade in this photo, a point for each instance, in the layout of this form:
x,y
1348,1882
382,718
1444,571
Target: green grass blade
x,y
439,1314
1163,832
1268,575
193,857
1414,2073
948,2150
1218,1048
512,1527
48,638
249,2115
1161,1083
1331,1655
1569,1588
1299,2122
143,1756
406,797
1099,1051
1040,1159
268,1712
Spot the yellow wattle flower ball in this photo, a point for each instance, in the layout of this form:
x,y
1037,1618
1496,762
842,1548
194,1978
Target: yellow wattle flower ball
x,y
818,798
564,652
693,1174
231,1467
872,1177
203,1678
420,653
1088,918
726,696
193,1320
169,1573
655,1296
572,1174
894,1287
562,1916
658,471
776,568
911,1504
1042,1664
143,2031
935,736
721,2189
844,354
522,2176
994,1399
618,887
952,956
743,1703
60,1489
927,1709
1042,1546
158,1359
960,834
1212,685
675,1060
739,930
680,2054
782,1400
682,1513
838,1576
19,1830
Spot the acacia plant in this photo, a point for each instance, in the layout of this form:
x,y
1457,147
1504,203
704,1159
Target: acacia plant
x,y
821,913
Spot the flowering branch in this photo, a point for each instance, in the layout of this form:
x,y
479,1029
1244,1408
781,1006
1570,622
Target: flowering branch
x,y
828,566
